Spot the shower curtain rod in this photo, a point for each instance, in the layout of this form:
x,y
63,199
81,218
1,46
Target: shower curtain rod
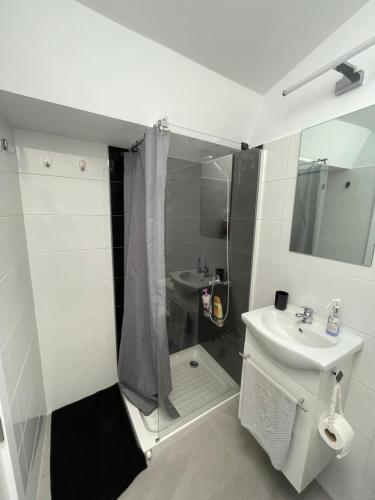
x,y
217,137
304,168
332,65
163,125
318,160
133,147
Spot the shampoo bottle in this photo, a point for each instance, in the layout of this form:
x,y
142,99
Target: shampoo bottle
x,y
218,311
333,323
206,302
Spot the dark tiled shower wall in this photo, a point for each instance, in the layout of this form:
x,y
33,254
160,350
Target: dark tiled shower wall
x,y
183,242
225,343
242,225
116,177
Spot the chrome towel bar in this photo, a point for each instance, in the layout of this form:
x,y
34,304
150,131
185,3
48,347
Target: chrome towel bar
x,y
299,402
300,405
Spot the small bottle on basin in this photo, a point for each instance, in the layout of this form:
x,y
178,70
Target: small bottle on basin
x,y
333,323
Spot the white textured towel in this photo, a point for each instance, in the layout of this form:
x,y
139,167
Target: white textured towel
x,y
267,413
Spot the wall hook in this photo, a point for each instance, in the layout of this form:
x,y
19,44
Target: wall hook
x,y
4,146
351,78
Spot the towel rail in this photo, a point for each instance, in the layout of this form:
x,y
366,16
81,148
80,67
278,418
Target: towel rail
x,y
300,405
299,402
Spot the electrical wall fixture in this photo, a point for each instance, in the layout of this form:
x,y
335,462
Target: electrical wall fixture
x,y
4,146
82,165
47,162
352,77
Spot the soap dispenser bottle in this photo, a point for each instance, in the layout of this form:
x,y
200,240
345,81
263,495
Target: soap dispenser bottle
x,y
206,302
333,323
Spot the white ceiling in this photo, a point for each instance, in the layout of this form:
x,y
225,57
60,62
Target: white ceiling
x,y
40,116
253,42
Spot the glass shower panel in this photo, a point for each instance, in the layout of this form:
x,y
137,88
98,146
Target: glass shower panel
x,y
183,248
204,369
224,343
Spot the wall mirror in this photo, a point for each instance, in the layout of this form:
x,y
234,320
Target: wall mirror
x,y
216,177
334,203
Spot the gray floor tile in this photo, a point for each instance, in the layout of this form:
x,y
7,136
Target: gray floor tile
x,y
217,461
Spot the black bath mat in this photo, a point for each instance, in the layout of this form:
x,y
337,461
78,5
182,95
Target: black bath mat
x,y
94,454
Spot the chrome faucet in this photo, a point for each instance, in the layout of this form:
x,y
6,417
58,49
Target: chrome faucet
x,y
307,315
202,269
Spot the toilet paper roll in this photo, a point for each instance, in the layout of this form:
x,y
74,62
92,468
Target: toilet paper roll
x,y
342,436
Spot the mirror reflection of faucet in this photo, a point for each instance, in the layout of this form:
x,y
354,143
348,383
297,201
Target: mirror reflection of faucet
x,y
202,269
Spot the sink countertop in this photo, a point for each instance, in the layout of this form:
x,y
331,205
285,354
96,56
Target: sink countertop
x,y
297,344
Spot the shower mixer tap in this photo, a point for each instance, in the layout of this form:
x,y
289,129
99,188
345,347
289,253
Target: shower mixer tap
x,y
218,281
215,281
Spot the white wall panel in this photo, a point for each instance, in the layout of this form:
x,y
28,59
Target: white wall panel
x,y
64,301
53,233
76,360
79,386
67,218
74,330
52,269
23,401
70,196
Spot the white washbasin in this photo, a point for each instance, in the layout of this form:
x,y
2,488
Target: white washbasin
x,y
190,280
294,343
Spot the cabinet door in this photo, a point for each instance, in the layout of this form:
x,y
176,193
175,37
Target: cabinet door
x,y
294,468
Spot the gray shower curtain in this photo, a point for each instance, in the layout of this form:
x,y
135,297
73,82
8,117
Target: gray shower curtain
x,y
144,366
305,206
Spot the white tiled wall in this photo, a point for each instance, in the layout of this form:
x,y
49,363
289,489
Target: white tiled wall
x,y
345,226
67,218
312,281
19,346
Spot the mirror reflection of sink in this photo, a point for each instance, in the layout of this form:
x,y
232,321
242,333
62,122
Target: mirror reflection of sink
x,y
189,281
296,344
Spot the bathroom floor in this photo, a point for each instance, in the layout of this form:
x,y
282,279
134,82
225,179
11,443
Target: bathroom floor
x,y
219,460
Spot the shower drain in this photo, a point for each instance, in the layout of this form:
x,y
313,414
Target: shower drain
x,y
193,363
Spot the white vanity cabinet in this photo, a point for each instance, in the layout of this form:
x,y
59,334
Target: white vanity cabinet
x,y
308,453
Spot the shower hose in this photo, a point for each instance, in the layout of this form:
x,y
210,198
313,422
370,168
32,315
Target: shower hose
x,y
210,309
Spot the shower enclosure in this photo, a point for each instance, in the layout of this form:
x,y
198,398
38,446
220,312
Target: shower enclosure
x,y
210,202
